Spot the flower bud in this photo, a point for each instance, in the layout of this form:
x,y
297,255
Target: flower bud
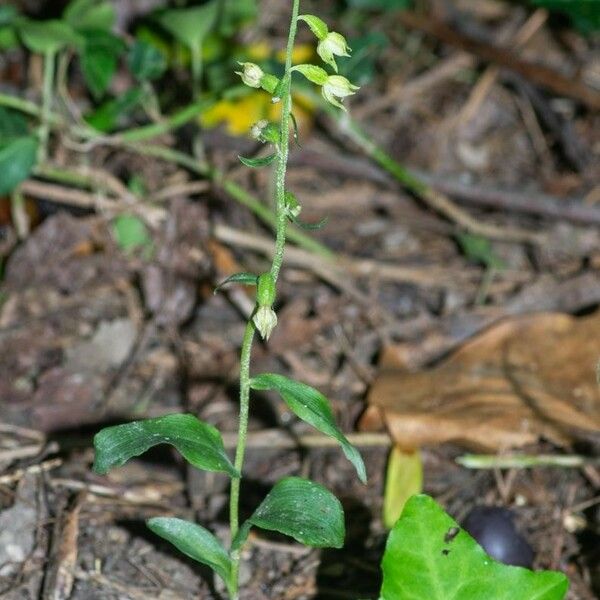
x,y
337,87
252,75
334,44
265,320
292,206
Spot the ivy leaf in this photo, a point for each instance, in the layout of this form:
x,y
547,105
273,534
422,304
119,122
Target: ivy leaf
x,y
194,541
17,159
146,61
302,509
8,14
450,565
198,442
190,26
47,36
131,233
257,163
99,60
311,406
12,124
243,278
90,14
109,115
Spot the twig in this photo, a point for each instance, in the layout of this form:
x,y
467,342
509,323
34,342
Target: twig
x,y
274,438
435,199
524,461
533,203
342,265
541,75
42,467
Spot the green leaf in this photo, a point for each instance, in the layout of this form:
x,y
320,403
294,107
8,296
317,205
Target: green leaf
x,y
8,14
146,61
131,233
109,115
190,26
302,509
90,14
194,541
312,73
585,14
17,159
429,556
47,36
12,124
479,249
99,60
257,163
198,442
309,226
311,406
243,278
317,26
404,479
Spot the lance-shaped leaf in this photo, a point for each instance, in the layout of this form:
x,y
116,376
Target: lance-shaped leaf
x,y
243,278
194,541
257,163
311,406
198,442
429,556
302,509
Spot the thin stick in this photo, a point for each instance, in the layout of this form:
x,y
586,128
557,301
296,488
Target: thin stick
x,y
525,461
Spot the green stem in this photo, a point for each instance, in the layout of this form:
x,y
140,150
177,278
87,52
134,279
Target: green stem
x,y
47,95
234,498
246,352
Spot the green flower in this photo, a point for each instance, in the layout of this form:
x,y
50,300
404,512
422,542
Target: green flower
x,y
336,88
334,44
252,75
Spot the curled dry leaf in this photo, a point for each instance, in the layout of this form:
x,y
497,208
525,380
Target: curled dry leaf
x,y
527,377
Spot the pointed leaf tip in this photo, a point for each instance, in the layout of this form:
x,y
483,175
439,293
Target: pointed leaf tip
x,y
198,442
194,541
453,567
313,408
302,509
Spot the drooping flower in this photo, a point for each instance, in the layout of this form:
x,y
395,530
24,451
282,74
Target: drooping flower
x,y
336,88
334,44
265,320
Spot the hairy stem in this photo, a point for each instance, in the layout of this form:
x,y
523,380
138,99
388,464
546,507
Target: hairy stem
x,y
246,352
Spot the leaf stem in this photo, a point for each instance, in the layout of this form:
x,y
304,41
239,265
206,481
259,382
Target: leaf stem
x,y
47,95
246,352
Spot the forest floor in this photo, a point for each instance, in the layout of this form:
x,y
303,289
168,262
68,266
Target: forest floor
x,y
460,320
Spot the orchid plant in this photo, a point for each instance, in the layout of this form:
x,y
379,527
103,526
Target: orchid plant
x,y
296,507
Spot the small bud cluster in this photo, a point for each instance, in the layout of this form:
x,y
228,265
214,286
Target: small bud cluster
x,y
331,44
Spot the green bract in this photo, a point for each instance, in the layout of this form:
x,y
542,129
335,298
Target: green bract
x,y
429,556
